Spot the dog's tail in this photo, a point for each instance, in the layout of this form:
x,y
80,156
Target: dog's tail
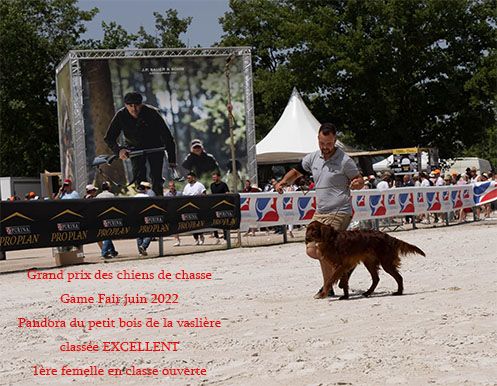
x,y
406,248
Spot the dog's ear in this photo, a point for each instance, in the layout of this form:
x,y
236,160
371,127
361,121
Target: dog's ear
x,y
327,232
313,232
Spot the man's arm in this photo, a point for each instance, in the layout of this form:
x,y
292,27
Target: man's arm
x,y
112,134
188,162
288,179
352,172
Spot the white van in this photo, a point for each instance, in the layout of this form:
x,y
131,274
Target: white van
x,y
461,164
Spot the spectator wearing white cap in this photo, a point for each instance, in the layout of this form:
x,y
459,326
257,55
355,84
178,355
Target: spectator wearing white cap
x,y
91,191
147,186
198,161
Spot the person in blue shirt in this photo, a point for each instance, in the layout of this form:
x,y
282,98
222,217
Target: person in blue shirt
x,y
66,191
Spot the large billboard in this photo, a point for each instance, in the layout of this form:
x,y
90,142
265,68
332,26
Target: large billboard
x,y
189,89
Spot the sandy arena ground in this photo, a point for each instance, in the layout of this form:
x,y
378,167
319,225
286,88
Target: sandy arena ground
x,y
442,331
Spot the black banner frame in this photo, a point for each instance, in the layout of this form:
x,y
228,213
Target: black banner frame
x,y
51,223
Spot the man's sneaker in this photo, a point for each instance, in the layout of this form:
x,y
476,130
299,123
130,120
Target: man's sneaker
x,y
202,240
197,242
177,244
108,255
143,251
114,254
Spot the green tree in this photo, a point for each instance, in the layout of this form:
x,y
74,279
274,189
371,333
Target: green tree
x,y
394,73
34,37
115,36
168,29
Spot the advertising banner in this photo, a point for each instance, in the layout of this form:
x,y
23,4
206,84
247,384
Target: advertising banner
x,y
270,209
35,224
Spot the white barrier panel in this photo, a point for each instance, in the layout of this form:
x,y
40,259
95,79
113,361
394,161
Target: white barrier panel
x,y
269,209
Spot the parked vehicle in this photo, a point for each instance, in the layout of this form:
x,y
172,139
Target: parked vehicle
x,y
461,164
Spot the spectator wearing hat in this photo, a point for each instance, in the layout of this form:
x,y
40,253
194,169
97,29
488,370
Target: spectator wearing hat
x,y
66,192
31,196
448,179
147,186
91,191
108,250
438,180
143,128
482,177
198,161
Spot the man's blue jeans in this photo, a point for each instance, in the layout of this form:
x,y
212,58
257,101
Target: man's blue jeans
x,y
143,242
107,246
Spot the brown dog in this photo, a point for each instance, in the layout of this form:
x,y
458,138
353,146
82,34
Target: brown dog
x,y
346,249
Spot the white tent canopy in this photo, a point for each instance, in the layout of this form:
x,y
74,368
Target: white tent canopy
x,y
293,136
384,165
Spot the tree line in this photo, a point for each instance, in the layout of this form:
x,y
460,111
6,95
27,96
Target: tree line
x,y
394,73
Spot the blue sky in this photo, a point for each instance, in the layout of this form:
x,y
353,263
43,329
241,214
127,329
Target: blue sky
x,y
204,29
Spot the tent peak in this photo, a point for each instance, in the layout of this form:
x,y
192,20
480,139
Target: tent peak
x,y
295,93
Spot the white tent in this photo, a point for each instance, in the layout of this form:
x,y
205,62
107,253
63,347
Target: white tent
x,y
293,136
384,165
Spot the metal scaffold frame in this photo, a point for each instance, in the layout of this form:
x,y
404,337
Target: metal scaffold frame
x,y
76,56
159,52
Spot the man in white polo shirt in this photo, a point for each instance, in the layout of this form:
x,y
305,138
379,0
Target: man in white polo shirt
x,y
194,188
